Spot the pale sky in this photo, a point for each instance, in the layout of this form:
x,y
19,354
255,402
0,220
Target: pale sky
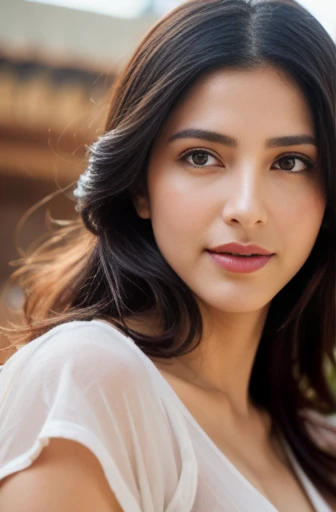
x,y
323,10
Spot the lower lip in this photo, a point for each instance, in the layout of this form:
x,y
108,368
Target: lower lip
x,y
240,264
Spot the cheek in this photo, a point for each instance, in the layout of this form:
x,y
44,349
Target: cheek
x,y
177,207
301,220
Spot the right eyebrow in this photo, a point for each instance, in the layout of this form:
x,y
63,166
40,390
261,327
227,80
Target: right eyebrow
x,y
195,133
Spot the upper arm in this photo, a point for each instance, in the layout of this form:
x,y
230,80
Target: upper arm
x,y
66,477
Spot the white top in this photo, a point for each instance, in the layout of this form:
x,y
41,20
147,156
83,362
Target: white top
x,y
88,382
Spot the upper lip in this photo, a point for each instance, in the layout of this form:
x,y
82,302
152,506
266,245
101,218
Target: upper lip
x,y
237,248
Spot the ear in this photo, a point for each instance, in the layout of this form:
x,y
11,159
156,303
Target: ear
x,y
141,205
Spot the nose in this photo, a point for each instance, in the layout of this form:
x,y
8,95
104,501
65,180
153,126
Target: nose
x,y
245,199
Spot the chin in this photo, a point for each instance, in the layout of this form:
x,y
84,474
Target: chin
x,y
237,305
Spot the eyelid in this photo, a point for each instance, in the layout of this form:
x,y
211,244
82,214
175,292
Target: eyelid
x,y
296,155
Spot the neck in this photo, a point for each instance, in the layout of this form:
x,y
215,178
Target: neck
x,y
222,363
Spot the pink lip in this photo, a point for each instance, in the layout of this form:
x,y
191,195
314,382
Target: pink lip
x,y
241,249
240,264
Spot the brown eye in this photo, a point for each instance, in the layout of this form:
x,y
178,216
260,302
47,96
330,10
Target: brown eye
x,y
289,162
200,158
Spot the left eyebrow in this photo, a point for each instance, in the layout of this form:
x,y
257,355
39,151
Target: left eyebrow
x,y
226,140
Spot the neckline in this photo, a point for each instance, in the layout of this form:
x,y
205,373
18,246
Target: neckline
x,y
311,492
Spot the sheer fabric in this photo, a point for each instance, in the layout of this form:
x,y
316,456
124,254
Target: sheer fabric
x,y
87,382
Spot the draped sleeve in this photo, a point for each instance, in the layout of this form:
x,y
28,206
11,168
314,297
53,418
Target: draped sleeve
x,y
82,383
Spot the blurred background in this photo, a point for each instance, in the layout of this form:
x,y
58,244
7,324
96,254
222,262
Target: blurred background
x,y
58,61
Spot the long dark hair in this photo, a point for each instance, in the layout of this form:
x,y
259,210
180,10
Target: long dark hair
x,y
107,263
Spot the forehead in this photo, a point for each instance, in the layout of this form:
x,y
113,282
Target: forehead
x,y
262,101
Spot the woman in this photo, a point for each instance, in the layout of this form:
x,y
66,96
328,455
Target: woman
x,y
181,332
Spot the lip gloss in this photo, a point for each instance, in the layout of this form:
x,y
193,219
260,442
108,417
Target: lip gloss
x,y
241,264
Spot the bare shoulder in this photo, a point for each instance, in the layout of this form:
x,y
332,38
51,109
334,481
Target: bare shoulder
x,y
66,476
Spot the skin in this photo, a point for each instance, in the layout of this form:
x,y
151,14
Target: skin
x,y
244,194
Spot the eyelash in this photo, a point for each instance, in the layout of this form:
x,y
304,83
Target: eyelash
x,y
307,161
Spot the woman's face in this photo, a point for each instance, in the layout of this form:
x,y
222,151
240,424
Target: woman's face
x,y
245,190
